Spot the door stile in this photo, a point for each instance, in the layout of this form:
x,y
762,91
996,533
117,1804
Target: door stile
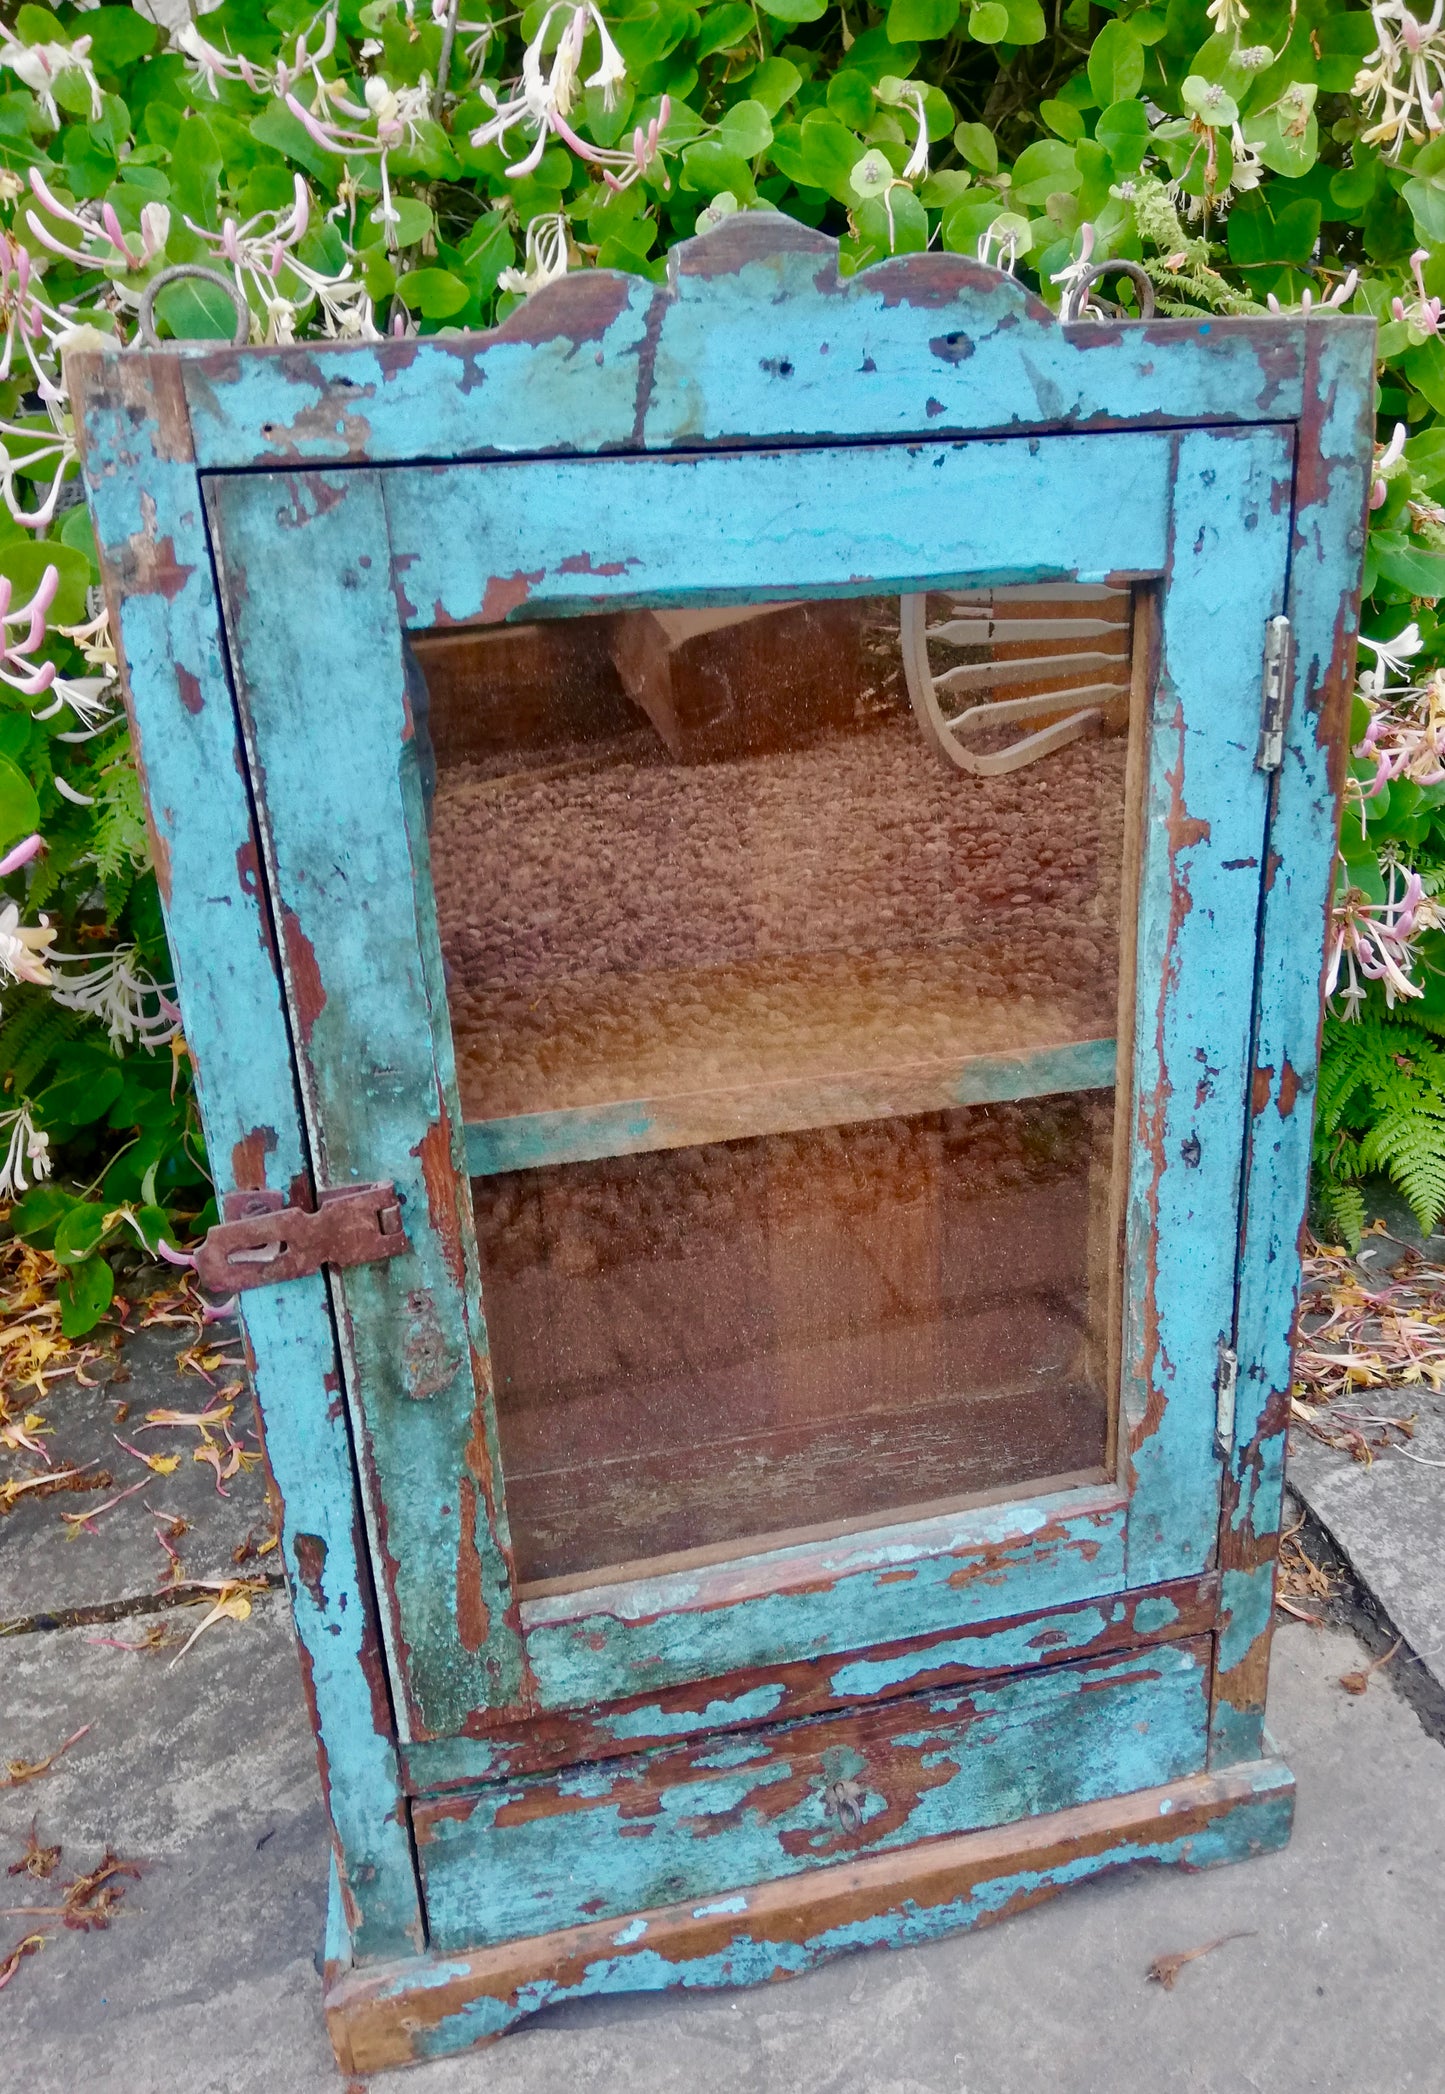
x,y
1198,905
134,435
312,622
1323,606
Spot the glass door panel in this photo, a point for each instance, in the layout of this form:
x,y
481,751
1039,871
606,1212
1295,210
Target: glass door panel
x,y
784,959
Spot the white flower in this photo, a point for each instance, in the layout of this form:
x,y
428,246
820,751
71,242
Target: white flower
x,y
610,75
1227,15
129,1002
1393,655
41,65
22,952
1404,76
546,257
28,1148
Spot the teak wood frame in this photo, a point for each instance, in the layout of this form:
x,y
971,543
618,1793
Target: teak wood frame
x,y
512,1744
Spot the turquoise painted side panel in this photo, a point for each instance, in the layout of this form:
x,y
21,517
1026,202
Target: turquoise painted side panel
x,y
629,1129
1198,906
486,542
319,670
755,337
818,1599
525,1858
146,502
1323,600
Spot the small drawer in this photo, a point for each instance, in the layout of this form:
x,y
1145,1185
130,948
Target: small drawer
x,y
519,1858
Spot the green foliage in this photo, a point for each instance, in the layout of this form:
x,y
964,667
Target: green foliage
x,y
1381,1111
1238,156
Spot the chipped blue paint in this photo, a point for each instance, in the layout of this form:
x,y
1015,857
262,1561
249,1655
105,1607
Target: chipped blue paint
x,y
528,1858
752,341
1323,607
146,502
378,1081
991,1561
776,347
1257,1823
1198,905
656,1723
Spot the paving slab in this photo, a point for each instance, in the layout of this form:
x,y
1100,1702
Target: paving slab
x,y
205,1983
48,1569
1387,1519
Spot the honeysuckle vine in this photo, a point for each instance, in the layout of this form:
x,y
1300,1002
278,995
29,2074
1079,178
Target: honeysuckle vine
x,y
358,168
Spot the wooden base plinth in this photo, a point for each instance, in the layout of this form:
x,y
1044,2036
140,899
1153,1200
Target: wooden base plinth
x,y
428,2006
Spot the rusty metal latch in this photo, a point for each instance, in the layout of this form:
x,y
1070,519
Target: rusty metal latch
x,y
1277,637
263,1240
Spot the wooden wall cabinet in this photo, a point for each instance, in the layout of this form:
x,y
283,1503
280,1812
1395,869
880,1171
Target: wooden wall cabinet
x,y
810,1473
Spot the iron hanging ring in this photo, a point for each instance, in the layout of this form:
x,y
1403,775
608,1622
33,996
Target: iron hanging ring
x,y
1078,292
146,317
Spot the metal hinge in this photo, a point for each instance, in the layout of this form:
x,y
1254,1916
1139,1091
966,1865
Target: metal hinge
x,y
1226,1382
263,1240
1277,637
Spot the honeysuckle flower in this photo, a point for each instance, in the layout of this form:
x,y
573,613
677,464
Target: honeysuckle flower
x,y
122,994
542,103
22,951
1074,272
1422,316
1394,655
1340,294
41,65
27,321
102,224
208,66
27,1150
1405,737
1389,456
267,271
1227,16
17,668
545,259
1011,235
1403,78
908,94
21,854
1373,941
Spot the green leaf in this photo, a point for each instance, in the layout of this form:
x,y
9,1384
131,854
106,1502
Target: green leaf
x,y
1261,234
434,293
1413,568
23,562
1210,102
118,37
850,98
85,1293
1287,138
895,225
988,22
976,144
708,168
80,1099
195,171
37,25
1043,168
284,133
794,10
155,1224
192,310
36,1217
1116,64
1063,119
1026,23
1426,198
818,154
80,1232
723,29
745,130
920,21
19,808
774,82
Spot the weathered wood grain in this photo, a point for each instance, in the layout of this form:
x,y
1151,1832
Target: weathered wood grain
x,y
505,1749
1198,903
438,2004
146,501
319,666
1329,535
754,338
595,1842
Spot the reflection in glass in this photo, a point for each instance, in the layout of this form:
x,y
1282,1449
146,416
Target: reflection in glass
x,y
818,1223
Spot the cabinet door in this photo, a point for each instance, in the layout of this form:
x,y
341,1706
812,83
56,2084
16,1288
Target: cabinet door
x,y
820,1160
